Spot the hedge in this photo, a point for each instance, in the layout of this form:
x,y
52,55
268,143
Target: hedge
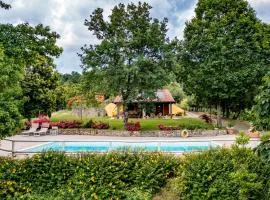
x,y
89,176
237,173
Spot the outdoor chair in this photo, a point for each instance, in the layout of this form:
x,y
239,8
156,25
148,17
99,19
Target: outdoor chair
x,y
32,129
46,125
42,131
54,130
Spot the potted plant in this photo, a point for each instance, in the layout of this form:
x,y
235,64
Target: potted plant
x,y
230,128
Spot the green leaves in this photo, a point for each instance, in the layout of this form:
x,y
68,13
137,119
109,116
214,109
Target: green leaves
x,y
134,56
262,106
90,176
222,60
236,173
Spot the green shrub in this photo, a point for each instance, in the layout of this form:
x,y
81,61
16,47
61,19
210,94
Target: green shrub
x,y
265,137
263,149
86,176
236,173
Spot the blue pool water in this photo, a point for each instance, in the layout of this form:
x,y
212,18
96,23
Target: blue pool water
x,y
174,147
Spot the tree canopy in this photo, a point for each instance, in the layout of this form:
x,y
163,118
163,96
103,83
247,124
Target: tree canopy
x,y
34,48
225,54
134,57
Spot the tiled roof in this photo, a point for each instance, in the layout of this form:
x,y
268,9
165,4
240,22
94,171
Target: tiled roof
x,y
163,95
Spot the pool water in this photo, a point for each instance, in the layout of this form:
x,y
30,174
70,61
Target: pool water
x,y
174,147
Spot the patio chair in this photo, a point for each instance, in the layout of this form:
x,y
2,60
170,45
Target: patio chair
x,y
32,129
42,131
46,125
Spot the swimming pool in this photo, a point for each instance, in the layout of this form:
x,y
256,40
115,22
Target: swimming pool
x,y
104,146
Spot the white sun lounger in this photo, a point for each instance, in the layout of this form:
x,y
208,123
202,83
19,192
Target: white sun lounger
x,y
32,129
42,131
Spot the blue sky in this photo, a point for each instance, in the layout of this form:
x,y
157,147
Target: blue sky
x,y
66,17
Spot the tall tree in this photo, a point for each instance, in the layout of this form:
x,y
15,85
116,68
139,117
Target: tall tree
x,y
225,53
134,56
38,87
34,48
10,75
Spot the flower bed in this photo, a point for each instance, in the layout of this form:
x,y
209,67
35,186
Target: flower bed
x,y
133,126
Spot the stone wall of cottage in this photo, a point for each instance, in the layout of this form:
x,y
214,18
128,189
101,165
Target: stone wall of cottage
x,y
157,133
89,112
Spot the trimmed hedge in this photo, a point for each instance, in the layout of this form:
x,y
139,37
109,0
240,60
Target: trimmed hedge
x,y
236,173
90,176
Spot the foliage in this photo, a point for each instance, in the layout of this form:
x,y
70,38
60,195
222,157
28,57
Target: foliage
x,y
100,125
10,74
33,48
89,176
265,137
242,138
206,118
262,107
133,59
10,117
263,149
177,91
67,124
4,5
168,128
72,78
88,124
224,54
236,173
133,126
38,87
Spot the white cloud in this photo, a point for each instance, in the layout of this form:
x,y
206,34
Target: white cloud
x,y
66,17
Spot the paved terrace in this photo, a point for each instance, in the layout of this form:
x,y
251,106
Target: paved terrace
x,y
225,140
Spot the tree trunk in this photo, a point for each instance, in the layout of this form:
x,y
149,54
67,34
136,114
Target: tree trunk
x,y
125,115
219,122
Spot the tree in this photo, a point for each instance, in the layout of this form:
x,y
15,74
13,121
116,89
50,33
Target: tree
x,y
74,77
134,57
225,54
34,48
10,74
39,86
177,91
262,107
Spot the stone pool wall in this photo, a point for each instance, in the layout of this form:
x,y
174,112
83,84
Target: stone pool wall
x,y
155,133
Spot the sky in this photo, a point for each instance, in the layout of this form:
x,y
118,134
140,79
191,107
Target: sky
x,y
66,17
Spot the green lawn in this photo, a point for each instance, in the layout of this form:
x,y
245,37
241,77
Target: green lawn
x,y
146,124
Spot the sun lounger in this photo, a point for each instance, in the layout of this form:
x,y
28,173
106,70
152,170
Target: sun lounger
x,y
32,129
42,131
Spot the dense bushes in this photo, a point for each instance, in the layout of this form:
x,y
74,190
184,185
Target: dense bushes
x,y
236,173
67,124
89,176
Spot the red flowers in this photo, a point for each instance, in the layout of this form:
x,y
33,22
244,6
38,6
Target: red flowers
x,y
67,124
100,125
168,128
133,126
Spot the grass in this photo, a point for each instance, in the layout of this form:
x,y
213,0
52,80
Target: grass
x,y
146,124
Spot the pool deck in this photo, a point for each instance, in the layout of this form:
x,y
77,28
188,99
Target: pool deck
x,y
24,142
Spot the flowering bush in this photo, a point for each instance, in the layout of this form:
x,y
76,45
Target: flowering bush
x,y
67,124
168,128
133,126
100,125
